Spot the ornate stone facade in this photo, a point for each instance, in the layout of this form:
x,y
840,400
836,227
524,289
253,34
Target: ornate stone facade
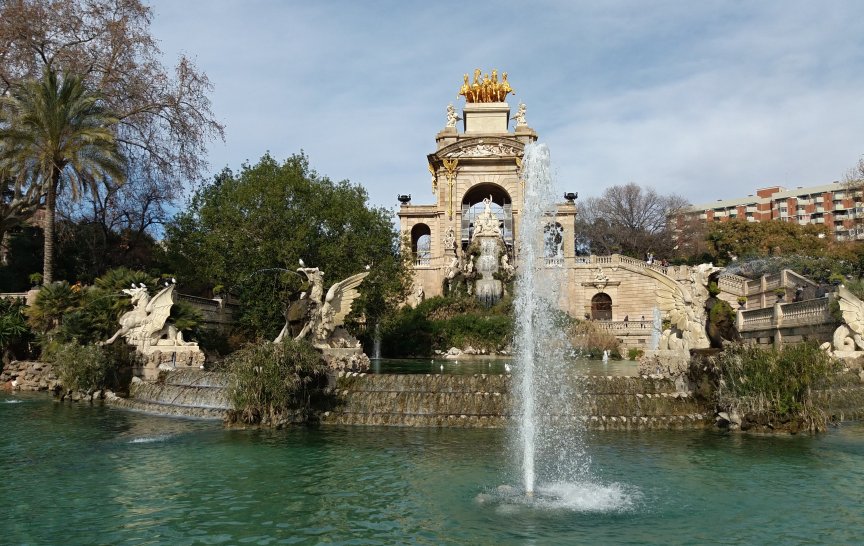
x,y
482,161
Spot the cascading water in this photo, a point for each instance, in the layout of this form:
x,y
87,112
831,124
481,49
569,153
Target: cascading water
x,y
376,342
549,443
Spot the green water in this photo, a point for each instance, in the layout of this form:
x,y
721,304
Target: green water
x,y
76,474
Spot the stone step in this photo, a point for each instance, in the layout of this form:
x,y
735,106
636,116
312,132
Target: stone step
x,y
196,397
694,421
166,409
496,383
430,403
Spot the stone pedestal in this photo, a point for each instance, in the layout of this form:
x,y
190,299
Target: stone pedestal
x,y
169,358
486,117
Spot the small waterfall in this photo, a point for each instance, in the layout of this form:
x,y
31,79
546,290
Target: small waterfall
x,y
376,344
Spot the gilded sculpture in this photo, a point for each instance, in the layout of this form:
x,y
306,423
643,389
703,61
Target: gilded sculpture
x,y
486,88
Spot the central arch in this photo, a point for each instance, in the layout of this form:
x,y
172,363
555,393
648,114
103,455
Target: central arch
x,y
601,307
472,206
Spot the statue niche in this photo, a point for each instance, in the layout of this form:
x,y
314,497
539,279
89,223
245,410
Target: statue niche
x,y
488,245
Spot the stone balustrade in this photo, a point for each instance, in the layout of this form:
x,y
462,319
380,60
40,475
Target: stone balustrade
x,y
629,327
800,313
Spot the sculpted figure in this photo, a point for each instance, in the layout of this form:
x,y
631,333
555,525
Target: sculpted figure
x,y
476,87
505,87
465,90
849,336
325,313
449,239
146,324
452,116
684,308
505,263
487,89
520,115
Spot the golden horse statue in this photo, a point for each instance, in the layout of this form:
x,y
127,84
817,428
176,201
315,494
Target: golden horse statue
x,y
485,88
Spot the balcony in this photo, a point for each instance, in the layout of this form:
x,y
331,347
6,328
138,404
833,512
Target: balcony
x,y
818,220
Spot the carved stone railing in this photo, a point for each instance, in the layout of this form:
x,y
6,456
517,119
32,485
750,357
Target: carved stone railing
x,y
786,315
805,313
557,261
626,328
734,284
756,319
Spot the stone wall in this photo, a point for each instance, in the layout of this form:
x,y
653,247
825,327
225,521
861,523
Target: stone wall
x,y
483,401
28,376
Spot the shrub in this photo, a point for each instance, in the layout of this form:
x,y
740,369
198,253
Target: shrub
x,y
52,303
82,367
591,338
778,384
14,332
274,381
440,323
634,353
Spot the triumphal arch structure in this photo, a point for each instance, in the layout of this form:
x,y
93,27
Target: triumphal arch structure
x,y
475,169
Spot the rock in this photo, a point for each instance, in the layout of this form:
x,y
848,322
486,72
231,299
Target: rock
x,y
137,379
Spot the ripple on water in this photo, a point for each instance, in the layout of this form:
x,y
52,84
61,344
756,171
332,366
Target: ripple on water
x,y
150,439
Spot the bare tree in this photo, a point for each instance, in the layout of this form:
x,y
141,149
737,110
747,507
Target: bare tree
x,y
629,220
165,117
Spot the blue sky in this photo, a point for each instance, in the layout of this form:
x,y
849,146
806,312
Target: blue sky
x,y
709,100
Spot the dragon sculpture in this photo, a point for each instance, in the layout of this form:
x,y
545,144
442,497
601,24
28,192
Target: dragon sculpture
x,y
684,307
146,324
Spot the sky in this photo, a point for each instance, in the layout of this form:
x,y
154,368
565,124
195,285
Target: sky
x,y
707,100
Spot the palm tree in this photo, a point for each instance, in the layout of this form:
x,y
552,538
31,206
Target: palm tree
x,y
56,132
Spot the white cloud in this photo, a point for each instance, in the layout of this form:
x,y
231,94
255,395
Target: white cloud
x,y
709,100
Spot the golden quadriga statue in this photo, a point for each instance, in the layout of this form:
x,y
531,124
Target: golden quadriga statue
x,y
486,88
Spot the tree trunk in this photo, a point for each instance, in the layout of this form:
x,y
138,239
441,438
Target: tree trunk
x,y
48,228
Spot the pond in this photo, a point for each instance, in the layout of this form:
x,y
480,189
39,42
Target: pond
x,y
80,474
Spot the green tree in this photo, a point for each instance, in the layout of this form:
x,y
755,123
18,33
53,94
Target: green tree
x,y
248,231
737,239
55,131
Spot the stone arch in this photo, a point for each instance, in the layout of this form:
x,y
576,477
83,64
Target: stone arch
x,y
421,244
601,306
472,206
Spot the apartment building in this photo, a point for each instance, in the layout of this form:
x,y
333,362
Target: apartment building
x,y
834,205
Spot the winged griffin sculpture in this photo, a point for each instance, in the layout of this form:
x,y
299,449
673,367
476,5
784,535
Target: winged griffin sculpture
x,y
322,314
684,307
146,324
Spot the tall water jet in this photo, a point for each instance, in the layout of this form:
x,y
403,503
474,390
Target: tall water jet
x,y
376,342
549,440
